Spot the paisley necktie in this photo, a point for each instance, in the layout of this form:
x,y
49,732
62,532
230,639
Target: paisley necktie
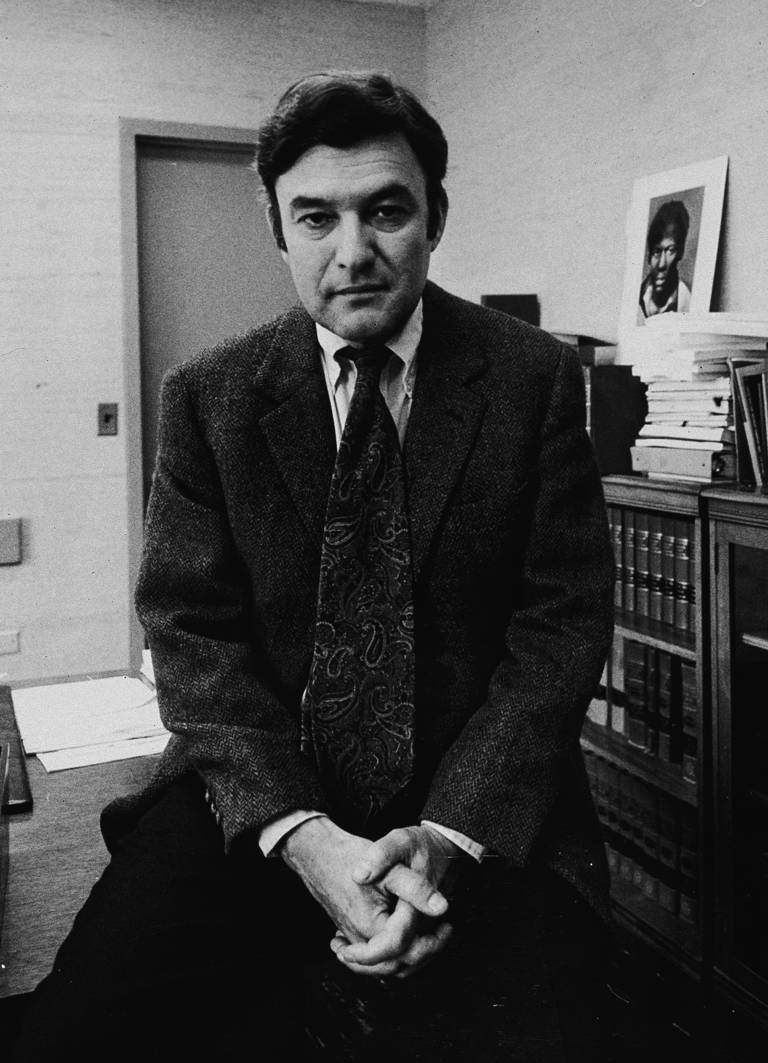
x,y
358,709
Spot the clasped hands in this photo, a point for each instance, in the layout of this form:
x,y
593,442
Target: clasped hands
x,y
384,897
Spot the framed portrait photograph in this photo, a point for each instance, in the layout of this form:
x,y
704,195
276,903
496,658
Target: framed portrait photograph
x,y
673,231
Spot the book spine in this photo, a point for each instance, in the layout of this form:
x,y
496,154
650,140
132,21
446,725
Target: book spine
x,y
664,705
615,521
668,570
611,783
689,699
627,855
684,591
598,788
616,694
635,671
635,817
669,853
588,398
688,865
629,568
641,563
651,702
650,841
655,555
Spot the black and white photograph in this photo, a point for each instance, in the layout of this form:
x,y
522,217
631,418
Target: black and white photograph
x,y
673,233
383,531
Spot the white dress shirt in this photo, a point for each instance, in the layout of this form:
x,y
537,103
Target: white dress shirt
x,y
397,383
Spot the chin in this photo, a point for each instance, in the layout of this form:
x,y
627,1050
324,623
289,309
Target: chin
x,y
364,329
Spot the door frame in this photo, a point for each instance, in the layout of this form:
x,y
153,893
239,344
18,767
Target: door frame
x,y
133,131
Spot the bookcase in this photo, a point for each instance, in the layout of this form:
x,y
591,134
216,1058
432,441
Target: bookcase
x,y
738,577
676,745
644,738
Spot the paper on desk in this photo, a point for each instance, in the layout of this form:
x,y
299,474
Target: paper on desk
x,y
147,667
61,759
95,711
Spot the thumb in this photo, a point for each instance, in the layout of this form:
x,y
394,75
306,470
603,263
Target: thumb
x,y
381,856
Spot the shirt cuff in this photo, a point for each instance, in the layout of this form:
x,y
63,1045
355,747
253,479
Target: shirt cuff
x,y
472,848
277,829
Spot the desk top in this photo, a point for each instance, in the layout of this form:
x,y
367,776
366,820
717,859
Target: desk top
x,y
56,853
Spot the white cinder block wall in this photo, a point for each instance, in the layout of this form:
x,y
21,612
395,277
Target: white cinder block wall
x,y
554,107
68,70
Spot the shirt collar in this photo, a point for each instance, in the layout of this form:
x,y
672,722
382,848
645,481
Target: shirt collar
x,y
404,344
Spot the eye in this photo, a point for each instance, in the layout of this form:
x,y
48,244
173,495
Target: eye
x,y
315,220
389,216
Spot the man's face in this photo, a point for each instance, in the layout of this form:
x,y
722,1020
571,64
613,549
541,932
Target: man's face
x,y
663,260
355,228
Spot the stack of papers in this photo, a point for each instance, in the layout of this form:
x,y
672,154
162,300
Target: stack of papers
x,y
89,722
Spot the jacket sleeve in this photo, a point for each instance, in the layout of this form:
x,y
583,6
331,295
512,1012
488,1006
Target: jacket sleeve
x,y
214,690
502,775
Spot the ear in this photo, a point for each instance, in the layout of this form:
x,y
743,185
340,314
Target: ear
x,y
442,214
277,230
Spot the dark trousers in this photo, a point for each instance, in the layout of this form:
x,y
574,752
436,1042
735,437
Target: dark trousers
x,y
183,953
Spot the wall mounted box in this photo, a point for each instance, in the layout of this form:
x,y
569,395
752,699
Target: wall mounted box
x,y
10,541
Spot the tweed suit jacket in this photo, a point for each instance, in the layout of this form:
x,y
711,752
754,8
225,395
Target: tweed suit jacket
x,y
513,575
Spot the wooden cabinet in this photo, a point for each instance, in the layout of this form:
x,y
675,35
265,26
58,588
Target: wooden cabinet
x,y
676,743
738,565
644,738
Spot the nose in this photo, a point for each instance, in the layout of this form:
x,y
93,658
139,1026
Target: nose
x,y
354,243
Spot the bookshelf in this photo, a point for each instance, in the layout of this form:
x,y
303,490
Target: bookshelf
x,y
644,738
676,744
738,578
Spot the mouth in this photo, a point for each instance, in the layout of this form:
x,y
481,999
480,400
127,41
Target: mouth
x,y
360,289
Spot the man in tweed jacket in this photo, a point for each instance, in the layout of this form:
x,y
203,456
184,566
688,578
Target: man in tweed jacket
x,y
511,556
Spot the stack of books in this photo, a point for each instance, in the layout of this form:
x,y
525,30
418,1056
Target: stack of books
x,y
707,397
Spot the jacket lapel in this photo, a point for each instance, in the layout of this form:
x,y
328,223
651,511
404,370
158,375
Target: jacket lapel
x,y
446,415
444,421
299,427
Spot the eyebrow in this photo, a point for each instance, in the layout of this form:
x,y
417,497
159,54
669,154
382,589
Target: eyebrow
x,y
393,190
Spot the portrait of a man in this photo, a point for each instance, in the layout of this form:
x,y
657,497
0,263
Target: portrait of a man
x,y
663,289
670,254
673,231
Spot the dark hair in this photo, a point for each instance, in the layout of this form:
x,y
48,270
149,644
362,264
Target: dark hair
x,y
340,109
670,215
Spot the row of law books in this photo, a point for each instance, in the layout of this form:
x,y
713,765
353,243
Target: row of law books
x,y
648,697
651,837
661,706
655,574
693,428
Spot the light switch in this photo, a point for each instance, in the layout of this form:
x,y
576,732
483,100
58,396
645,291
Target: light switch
x,y
107,419
10,541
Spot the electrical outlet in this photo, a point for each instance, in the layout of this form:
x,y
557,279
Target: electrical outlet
x,y
107,419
